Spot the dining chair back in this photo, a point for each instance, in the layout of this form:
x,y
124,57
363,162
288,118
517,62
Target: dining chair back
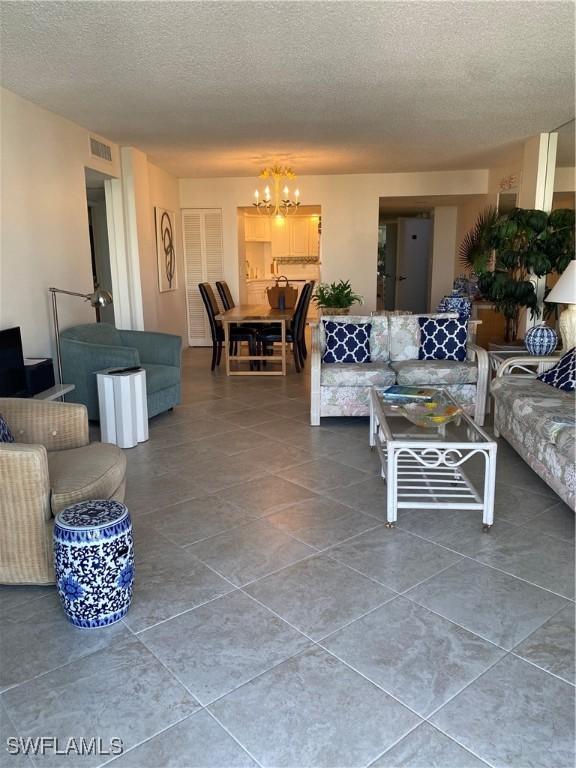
x,y
212,310
225,294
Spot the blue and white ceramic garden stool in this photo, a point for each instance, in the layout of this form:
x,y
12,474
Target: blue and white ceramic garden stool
x,y
94,562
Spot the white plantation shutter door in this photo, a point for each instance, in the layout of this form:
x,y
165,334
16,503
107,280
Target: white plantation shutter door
x,y
203,262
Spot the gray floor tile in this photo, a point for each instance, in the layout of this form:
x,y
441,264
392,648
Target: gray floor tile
x,y
367,496
396,558
167,587
321,522
249,552
258,497
514,715
489,603
425,747
12,596
151,493
558,521
209,478
322,474
218,647
251,417
36,637
513,505
121,692
552,647
319,595
237,441
312,710
357,454
198,519
418,657
545,561
460,530
197,742
12,752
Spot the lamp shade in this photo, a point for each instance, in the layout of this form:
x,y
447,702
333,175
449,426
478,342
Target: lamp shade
x,y
99,298
564,292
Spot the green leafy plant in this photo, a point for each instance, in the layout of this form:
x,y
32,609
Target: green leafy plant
x,y
507,250
336,295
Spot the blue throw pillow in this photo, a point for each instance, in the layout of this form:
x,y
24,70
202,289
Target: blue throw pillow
x,y
347,342
443,338
563,374
6,435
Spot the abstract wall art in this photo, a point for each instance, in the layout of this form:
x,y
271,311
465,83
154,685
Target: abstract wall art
x,y
166,249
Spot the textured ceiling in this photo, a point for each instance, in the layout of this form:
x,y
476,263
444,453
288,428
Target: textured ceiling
x,y
221,88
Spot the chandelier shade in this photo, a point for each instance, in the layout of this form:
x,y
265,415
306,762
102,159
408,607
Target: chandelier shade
x,y
275,200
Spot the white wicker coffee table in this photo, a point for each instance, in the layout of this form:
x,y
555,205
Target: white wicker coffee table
x,y
424,468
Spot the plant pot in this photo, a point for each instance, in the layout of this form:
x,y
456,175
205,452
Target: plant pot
x,y
334,310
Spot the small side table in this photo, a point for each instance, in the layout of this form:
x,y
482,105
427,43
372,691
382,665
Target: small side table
x,y
55,392
123,407
94,562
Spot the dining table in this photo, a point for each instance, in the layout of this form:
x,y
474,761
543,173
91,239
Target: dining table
x,y
255,314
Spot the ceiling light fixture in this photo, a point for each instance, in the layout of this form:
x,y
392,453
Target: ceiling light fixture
x,y
277,202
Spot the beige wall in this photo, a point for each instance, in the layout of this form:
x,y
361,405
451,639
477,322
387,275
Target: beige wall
x,y
151,187
443,250
349,215
44,240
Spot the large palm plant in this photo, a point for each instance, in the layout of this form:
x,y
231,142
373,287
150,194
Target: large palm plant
x,y
507,250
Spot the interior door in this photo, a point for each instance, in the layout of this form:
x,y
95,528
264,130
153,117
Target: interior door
x,y
203,263
412,256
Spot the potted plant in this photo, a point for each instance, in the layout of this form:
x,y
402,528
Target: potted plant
x,y
507,250
336,298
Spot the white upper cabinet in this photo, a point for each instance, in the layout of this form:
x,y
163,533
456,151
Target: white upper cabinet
x,y
298,231
313,236
280,232
257,229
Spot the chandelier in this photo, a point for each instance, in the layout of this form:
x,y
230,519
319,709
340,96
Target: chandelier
x,y
277,201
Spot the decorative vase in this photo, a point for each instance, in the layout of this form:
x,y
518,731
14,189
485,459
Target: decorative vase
x,y
456,303
541,340
94,562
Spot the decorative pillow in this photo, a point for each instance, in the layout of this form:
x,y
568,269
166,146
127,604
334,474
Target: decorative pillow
x,y
563,374
443,338
347,342
6,435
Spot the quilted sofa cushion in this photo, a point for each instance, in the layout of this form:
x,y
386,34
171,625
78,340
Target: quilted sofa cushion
x,y
434,372
357,375
540,408
404,333
160,377
379,340
94,471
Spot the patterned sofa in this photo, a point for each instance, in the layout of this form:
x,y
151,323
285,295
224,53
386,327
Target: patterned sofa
x,y
343,389
538,422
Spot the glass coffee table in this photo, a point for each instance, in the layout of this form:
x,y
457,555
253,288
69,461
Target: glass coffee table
x,y
424,466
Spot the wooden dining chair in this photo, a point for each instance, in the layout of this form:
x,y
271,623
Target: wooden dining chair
x,y
237,333
294,332
225,294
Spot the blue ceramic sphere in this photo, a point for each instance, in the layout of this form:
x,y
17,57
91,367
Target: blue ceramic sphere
x,y
541,340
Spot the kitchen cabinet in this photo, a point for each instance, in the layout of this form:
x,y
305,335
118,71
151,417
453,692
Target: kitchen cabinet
x,y
257,229
295,236
256,291
298,231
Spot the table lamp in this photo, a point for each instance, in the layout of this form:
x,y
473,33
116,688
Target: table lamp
x,y
564,292
99,298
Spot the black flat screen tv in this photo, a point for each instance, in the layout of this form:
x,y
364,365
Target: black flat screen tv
x,y
12,370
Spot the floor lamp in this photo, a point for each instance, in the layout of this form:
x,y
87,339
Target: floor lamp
x,y
99,298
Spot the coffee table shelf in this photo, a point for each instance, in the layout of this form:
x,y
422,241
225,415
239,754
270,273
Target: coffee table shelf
x,y
424,469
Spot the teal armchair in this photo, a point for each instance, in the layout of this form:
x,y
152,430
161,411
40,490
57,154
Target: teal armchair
x,y
89,348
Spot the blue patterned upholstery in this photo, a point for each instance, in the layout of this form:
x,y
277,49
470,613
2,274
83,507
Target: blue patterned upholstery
x,y
6,435
443,338
563,374
347,342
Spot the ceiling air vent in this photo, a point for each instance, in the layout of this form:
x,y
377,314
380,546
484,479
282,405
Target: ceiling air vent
x,y
101,150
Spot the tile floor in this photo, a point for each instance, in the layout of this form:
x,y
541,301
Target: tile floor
x,y
277,622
